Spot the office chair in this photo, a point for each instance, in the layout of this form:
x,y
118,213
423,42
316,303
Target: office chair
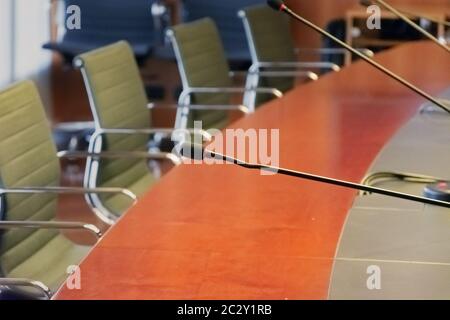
x,y
34,254
273,52
223,13
206,77
123,125
107,21
104,22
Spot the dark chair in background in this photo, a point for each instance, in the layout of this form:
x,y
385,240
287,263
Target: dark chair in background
x,y
107,21
140,22
336,28
224,14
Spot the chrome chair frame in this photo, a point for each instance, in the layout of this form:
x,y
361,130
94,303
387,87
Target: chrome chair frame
x,y
301,70
95,152
184,101
185,105
260,70
71,190
335,51
263,69
20,282
296,65
267,64
60,225
255,72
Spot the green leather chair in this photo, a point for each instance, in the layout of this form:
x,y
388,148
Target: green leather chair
x,y
273,52
206,77
123,127
34,254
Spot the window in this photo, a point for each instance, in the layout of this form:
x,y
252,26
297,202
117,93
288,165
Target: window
x,y
25,27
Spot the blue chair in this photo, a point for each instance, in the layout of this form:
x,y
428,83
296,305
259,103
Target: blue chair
x,y
224,14
107,21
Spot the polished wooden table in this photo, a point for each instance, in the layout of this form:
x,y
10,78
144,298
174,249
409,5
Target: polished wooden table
x,y
222,232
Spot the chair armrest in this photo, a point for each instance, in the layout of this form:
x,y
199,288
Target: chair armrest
x,y
273,91
126,131
190,91
183,101
295,64
218,107
336,51
187,92
207,107
282,74
18,282
120,155
61,225
69,190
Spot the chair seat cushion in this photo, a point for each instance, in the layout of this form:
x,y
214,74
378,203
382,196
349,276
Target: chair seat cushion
x,y
119,203
49,264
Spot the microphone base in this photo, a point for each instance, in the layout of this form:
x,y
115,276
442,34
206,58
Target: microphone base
x,y
438,191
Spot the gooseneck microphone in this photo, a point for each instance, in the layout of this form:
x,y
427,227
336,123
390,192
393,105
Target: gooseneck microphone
x,y
402,16
197,152
280,6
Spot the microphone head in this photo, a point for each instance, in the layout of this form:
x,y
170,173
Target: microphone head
x,y
365,3
192,151
276,4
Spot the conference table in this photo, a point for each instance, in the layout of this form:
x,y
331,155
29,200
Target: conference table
x,y
224,232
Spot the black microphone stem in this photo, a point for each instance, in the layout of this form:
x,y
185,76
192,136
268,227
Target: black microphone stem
x,y
336,182
364,57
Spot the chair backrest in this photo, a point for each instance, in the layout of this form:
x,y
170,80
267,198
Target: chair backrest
x,y
27,158
108,21
269,36
224,14
118,100
202,63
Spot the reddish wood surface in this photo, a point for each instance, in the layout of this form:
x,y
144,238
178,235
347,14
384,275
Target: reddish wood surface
x,y
221,232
